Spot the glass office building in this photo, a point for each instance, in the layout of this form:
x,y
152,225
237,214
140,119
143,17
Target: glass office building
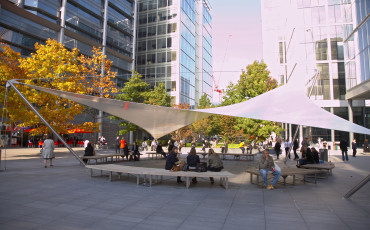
x,y
80,24
174,46
75,23
304,36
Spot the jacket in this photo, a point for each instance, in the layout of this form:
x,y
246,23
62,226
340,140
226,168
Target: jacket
x,y
48,149
266,164
192,160
171,160
214,161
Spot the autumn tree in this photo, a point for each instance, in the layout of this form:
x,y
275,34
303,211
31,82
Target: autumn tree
x,y
184,132
53,66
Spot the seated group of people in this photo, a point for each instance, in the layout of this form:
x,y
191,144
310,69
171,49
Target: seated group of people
x,y
214,162
309,156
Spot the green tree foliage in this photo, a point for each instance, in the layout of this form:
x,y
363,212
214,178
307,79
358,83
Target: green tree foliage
x,y
137,90
255,80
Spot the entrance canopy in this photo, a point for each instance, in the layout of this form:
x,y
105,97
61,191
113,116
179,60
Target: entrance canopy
x,y
286,104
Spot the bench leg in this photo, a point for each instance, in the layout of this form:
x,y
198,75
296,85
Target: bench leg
x,y
91,172
187,182
110,175
293,179
150,180
227,183
284,177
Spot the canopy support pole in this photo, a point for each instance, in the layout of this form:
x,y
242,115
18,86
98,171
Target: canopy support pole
x,y
44,121
296,131
357,187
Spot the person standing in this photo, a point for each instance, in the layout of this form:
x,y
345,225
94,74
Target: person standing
x,y
287,148
122,144
278,147
344,147
295,147
265,165
354,147
144,145
305,143
153,145
48,151
135,151
118,144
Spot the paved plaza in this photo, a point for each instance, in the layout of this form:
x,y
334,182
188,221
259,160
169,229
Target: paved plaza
x,y
66,197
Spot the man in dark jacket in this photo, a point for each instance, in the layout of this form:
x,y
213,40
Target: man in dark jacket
x,y
344,147
354,147
295,147
171,161
160,149
118,143
277,148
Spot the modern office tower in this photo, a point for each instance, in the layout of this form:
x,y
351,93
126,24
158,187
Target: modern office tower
x,y
174,46
303,37
357,62
78,24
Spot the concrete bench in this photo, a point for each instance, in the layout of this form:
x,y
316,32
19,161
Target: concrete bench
x,y
326,166
155,173
154,153
248,157
285,172
103,157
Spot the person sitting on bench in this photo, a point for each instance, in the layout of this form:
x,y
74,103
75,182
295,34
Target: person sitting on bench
x,y
309,159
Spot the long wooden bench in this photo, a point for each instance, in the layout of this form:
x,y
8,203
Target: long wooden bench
x,y
103,157
326,166
157,172
285,172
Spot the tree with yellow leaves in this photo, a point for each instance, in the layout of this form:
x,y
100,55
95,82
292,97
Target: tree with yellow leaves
x,y
54,66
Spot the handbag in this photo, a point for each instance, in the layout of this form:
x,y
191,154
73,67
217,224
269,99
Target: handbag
x,y
176,168
201,167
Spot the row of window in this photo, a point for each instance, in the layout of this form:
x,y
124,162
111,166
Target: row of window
x,y
153,4
156,30
160,43
160,57
156,17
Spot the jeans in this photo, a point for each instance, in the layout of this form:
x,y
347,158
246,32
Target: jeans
x,y
346,152
264,173
242,149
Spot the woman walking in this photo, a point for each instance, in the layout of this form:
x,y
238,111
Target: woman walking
x,y
48,151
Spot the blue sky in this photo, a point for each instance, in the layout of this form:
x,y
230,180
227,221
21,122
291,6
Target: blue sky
x,y
242,20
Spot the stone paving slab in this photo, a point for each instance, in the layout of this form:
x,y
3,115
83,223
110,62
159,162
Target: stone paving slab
x,y
66,197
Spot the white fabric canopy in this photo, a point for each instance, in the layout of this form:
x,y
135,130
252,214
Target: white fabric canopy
x,y
156,120
287,104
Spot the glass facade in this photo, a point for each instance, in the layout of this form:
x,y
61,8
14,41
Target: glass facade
x,y
169,40
84,20
312,37
357,49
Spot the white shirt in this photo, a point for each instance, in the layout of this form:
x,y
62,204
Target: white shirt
x,y
176,144
287,144
85,143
